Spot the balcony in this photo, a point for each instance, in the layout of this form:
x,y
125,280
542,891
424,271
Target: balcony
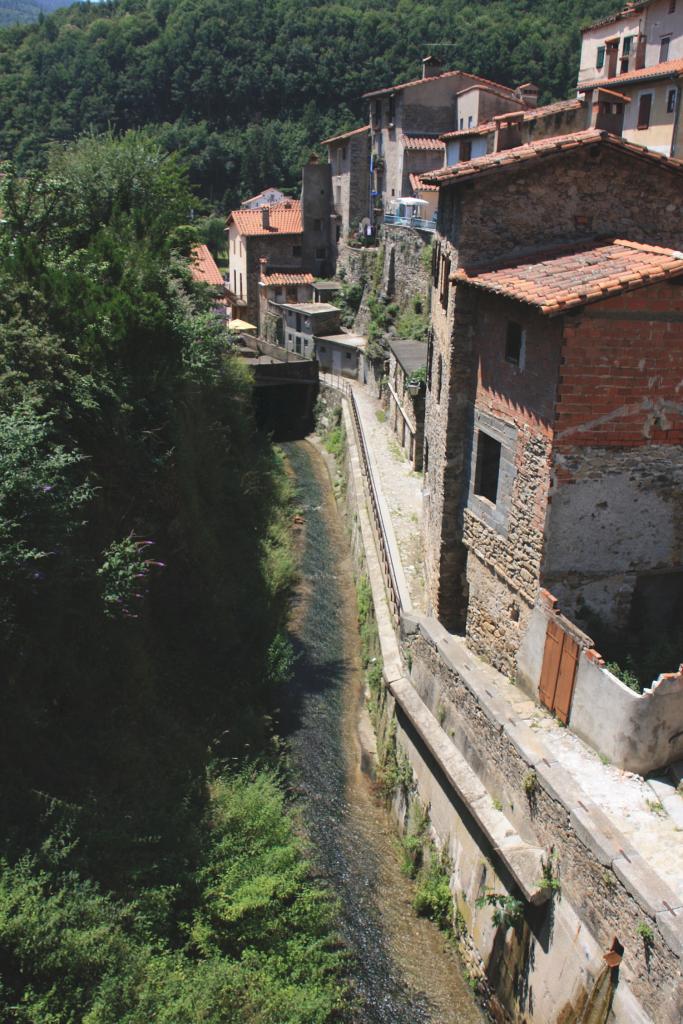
x,y
410,222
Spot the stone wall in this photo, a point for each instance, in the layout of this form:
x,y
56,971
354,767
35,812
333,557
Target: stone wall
x,y
564,198
541,972
351,181
405,275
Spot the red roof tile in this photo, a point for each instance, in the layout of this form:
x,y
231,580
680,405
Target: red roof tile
x,y
346,135
540,149
285,219
669,68
421,142
530,114
281,280
575,277
432,78
418,185
203,267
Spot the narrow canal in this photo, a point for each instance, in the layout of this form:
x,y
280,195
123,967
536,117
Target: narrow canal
x,y
404,972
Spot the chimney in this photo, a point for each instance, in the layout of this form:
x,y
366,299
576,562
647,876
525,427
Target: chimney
x,y
265,217
431,67
508,130
528,94
263,262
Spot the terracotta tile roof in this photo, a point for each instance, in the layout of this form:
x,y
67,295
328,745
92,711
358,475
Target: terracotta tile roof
x,y
346,135
417,184
421,142
670,68
530,114
554,283
285,219
286,279
203,267
432,78
535,151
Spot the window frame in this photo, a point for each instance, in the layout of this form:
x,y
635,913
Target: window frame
x,y
600,57
489,454
671,98
644,115
512,327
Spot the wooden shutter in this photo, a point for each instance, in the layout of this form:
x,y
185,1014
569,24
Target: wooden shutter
x,y
644,110
565,678
551,664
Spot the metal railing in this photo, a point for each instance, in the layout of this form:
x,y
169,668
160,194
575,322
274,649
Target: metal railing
x,y
410,222
388,568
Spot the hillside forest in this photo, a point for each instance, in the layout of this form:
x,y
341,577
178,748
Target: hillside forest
x,y
247,89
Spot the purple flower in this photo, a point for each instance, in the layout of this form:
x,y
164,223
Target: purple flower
x,y
47,487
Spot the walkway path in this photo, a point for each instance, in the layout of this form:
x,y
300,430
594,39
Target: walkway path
x,y
400,484
626,799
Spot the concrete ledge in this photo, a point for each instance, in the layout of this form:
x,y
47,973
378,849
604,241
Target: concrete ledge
x,y
649,892
523,861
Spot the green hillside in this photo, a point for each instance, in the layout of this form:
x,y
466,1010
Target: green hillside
x,y
19,12
246,88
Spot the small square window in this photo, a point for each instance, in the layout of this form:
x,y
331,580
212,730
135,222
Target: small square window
x,y
488,467
514,343
348,355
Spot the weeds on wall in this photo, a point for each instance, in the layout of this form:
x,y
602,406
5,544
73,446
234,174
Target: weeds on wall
x,y
507,910
433,897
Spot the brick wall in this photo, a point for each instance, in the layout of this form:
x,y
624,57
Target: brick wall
x,y
618,464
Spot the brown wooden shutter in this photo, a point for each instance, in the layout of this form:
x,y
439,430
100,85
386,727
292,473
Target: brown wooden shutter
x,y
644,110
565,678
551,664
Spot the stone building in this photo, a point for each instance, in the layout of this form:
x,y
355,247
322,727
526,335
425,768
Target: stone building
x,y
303,321
349,159
407,120
553,428
343,354
275,287
405,392
274,233
639,53
294,236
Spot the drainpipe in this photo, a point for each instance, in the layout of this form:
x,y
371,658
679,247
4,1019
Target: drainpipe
x,y
677,118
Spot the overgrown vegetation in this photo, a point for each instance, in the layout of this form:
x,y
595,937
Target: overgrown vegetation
x,y
147,874
180,66
507,911
650,642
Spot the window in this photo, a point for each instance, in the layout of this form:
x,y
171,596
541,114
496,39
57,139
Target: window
x,y
296,250
317,224
298,321
392,110
514,343
644,108
664,49
466,150
298,345
671,101
626,46
436,252
462,123
240,286
600,58
488,467
469,121
343,153
378,113
623,68
672,6
348,355
234,281
445,283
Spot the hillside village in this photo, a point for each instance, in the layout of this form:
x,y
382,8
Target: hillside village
x,y
501,282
